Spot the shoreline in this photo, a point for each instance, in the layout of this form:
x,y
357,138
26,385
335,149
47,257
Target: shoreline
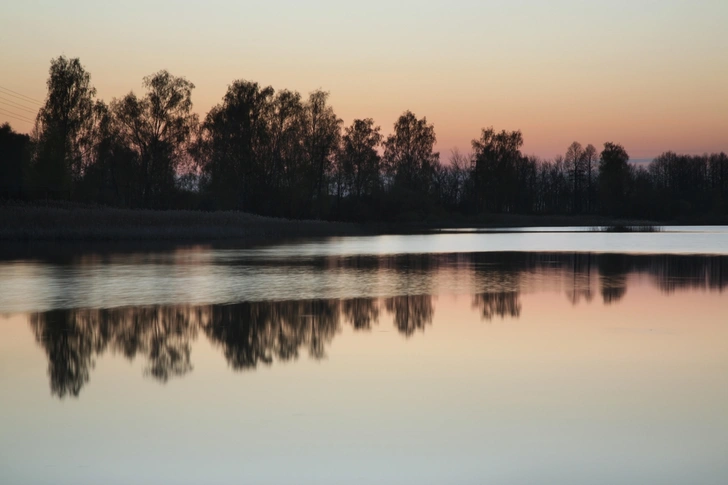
x,y
62,221
72,222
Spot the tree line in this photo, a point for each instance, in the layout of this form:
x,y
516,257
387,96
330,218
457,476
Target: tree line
x,y
279,153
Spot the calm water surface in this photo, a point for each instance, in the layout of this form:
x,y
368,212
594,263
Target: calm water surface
x,y
504,358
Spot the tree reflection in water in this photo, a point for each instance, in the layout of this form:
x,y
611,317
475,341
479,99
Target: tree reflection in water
x,y
502,305
411,312
259,333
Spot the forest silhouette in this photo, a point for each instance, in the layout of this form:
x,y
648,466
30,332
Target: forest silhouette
x,y
259,333
279,153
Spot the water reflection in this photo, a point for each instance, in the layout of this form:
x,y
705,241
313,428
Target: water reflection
x,y
255,333
72,338
249,334
411,312
504,304
204,276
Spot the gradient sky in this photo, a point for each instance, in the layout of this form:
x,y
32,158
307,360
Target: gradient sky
x,y
652,75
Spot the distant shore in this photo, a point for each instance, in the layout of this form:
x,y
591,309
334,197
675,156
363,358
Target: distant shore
x,y
59,221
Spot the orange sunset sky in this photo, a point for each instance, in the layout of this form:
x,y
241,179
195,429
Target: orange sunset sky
x,y
652,75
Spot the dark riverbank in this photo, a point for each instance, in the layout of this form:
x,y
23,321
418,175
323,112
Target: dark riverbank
x,y
78,222
74,222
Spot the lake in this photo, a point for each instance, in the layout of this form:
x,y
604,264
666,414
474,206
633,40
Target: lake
x,y
505,357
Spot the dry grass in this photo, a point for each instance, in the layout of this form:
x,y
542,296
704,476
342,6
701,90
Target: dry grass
x,y
72,222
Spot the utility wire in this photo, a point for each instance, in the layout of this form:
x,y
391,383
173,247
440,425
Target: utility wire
x,y
21,96
14,115
15,105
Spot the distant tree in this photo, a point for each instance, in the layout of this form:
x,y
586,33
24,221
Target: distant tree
x,y
591,159
321,129
496,157
14,163
157,127
409,155
718,175
575,164
613,178
452,181
288,194
63,127
409,165
359,159
111,174
238,135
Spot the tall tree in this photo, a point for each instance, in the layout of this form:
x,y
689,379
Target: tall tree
x,y
575,163
288,193
322,134
496,158
112,174
591,159
409,155
157,127
63,126
613,178
359,159
238,136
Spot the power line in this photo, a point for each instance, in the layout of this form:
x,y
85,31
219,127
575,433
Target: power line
x,y
17,105
14,115
19,119
21,96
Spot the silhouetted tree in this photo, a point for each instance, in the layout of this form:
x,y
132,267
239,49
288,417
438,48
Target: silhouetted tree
x,y
288,195
591,159
359,164
157,128
237,135
613,178
63,128
322,133
409,160
451,182
112,173
14,163
576,165
496,158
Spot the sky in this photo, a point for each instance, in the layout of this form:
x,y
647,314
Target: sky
x,y
651,75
